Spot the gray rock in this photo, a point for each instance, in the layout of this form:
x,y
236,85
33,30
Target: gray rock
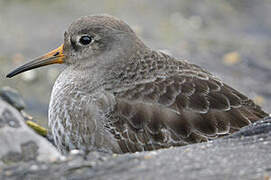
x,y
18,142
12,97
244,155
15,99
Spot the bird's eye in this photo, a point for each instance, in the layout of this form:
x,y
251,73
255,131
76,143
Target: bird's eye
x,y
85,40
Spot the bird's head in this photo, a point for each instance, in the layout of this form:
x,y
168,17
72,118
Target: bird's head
x,y
89,41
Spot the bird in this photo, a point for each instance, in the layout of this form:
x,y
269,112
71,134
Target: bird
x,y
118,95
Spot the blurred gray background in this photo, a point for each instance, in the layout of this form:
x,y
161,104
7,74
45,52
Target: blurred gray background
x,y
230,38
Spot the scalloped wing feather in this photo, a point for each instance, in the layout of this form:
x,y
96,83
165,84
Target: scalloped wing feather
x,y
177,110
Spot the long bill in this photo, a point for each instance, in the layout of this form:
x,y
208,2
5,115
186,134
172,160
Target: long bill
x,y
56,56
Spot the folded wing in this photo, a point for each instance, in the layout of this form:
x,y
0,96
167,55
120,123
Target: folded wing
x,y
177,110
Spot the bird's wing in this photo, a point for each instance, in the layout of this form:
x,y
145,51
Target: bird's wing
x,y
178,109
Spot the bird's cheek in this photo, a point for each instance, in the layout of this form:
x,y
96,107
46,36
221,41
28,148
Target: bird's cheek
x,y
94,47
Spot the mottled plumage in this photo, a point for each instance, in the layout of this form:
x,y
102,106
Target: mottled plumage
x,y
119,95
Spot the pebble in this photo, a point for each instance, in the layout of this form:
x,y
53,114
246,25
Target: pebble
x,y
259,100
12,97
231,58
75,152
29,76
34,168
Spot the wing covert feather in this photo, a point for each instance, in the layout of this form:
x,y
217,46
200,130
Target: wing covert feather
x,y
177,110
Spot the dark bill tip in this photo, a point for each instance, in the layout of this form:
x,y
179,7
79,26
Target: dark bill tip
x,y
54,57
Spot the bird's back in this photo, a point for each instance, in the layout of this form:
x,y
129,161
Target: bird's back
x,y
163,102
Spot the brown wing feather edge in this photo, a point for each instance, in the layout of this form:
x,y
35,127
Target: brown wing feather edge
x,y
179,110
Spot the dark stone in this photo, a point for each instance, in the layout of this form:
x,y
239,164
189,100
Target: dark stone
x,y
12,157
8,119
259,127
12,97
29,150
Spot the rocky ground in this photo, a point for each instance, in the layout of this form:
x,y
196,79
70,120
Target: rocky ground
x,y
230,38
243,155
